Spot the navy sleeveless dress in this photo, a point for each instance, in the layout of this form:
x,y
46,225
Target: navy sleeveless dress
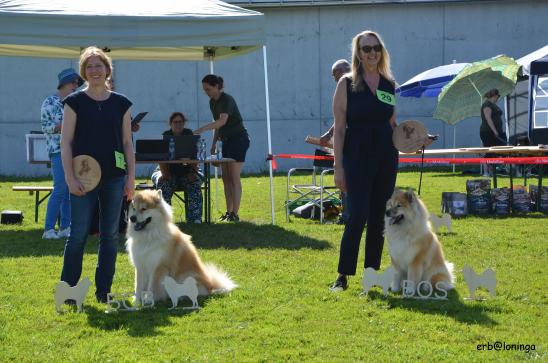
x,y
370,164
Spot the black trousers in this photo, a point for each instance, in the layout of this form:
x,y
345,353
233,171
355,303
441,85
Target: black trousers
x,y
370,165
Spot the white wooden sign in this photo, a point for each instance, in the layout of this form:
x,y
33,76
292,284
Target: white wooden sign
x,y
444,220
188,288
77,293
118,302
372,278
424,290
487,279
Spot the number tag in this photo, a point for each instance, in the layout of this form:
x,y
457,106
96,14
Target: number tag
x,y
120,160
386,97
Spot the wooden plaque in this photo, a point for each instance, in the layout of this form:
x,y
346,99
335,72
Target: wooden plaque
x,y
410,136
87,171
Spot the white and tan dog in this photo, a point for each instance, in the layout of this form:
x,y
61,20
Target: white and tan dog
x,y
157,248
415,250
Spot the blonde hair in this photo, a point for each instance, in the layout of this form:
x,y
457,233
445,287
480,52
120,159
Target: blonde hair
x,y
94,51
358,84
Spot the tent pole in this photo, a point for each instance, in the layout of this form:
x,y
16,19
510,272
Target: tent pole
x,y
267,103
216,169
506,124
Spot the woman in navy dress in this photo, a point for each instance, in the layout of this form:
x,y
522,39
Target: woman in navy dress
x,y
365,159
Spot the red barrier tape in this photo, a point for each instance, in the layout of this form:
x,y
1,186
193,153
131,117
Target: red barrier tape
x,y
446,161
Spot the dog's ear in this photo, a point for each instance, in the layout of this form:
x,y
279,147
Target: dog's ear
x,y
159,192
410,195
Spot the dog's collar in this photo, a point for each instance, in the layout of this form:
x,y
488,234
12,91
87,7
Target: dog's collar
x,y
397,220
140,225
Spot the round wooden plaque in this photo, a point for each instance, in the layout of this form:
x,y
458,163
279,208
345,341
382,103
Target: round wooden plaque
x,y
87,171
410,136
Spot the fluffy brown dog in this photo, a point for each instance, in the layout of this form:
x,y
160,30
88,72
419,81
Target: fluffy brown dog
x,y
415,250
157,248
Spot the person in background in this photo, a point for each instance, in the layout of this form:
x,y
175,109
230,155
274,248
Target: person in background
x,y
172,177
97,122
339,69
229,128
366,160
51,121
491,133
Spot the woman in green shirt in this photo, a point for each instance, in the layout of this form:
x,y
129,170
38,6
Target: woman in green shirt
x,y
229,128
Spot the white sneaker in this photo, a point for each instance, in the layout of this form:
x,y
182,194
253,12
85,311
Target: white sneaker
x,y
197,221
64,233
50,234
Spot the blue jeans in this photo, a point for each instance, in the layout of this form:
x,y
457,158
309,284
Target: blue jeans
x,y
59,201
110,193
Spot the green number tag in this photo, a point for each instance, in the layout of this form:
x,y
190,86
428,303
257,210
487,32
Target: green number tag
x,y
120,160
386,97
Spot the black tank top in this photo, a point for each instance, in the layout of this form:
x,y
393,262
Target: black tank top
x,y
98,131
363,108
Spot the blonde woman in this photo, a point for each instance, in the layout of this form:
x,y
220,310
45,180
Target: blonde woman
x,y
365,159
97,122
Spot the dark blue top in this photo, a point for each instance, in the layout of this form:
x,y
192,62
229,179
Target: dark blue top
x,y
234,125
363,108
98,131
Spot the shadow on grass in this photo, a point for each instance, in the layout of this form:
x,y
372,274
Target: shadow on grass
x,y
249,236
143,323
29,243
464,312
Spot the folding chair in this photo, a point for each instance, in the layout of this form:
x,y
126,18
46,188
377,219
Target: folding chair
x,y
299,194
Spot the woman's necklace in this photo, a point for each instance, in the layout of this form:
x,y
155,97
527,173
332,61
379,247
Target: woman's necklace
x,y
99,100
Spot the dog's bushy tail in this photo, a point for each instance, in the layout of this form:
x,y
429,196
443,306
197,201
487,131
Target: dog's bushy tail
x,y
221,281
450,268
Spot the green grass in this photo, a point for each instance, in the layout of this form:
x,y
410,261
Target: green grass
x,y
282,309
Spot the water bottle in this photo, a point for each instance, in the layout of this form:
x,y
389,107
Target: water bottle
x,y
171,149
218,149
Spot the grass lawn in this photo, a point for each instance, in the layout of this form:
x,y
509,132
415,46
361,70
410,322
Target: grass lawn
x,y
283,309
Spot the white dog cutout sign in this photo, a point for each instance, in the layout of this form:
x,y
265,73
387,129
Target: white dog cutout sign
x,y
444,220
117,302
188,288
487,279
77,293
372,278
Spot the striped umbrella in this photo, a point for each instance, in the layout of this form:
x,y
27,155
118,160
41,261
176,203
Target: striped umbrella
x,y
463,96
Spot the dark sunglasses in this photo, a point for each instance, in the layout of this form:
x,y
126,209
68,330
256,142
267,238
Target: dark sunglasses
x,y
367,48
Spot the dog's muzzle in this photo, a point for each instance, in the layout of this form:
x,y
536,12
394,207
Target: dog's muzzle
x,y
139,225
397,219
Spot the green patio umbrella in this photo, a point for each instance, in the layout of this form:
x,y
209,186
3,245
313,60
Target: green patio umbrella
x,y
463,96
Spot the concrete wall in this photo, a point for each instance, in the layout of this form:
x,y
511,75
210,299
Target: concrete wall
x,y
302,43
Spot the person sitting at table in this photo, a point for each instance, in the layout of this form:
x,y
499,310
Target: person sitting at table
x,y
172,177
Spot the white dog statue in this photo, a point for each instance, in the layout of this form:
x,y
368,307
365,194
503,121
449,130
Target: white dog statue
x,y
78,293
487,279
444,220
188,288
373,278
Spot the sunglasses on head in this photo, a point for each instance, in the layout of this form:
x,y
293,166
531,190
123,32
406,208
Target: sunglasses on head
x,y
367,48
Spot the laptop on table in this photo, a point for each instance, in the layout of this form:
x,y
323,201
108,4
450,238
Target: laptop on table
x,y
150,150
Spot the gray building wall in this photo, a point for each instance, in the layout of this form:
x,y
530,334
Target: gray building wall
x,y
302,43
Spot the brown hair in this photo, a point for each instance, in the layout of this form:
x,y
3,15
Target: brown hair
x,y
94,51
175,114
491,93
213,80
358,84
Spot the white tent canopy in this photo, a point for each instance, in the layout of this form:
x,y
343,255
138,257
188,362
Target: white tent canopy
x,y
134,30
141,30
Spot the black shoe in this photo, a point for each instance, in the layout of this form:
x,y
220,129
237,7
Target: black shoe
x,y
233,218
340,284
224,217
101,298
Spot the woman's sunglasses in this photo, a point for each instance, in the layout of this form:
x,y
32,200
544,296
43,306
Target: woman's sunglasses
x,y
367,48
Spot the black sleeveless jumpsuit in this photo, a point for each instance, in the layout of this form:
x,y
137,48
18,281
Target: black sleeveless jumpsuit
x,y
370,164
